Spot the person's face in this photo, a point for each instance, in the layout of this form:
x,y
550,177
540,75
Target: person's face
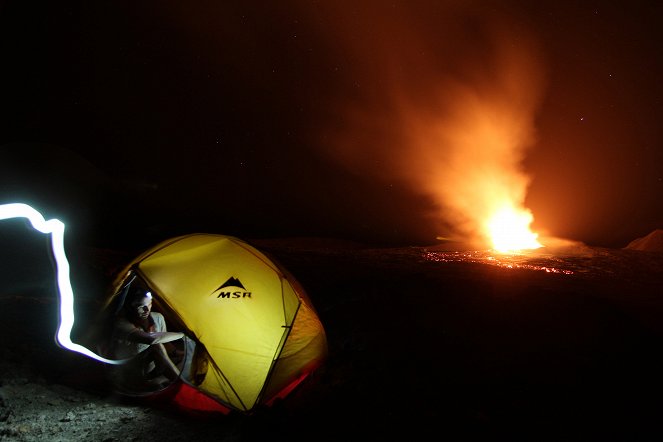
x,y
141,307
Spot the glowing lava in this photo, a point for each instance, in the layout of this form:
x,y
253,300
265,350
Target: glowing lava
x,y
509,230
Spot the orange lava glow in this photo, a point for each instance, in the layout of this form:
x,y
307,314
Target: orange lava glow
x,y
457,137
509,230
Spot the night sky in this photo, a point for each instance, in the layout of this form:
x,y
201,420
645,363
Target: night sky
x,y
136,121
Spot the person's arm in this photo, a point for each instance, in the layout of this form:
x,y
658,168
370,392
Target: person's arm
x,y
163,360
150,338
137,334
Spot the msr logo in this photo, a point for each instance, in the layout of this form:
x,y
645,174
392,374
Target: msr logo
x,y
230,283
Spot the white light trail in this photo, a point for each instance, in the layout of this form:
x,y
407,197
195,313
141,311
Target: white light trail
x,y
55,228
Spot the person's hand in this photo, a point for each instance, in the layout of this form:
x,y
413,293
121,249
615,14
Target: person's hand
x,y
163,337
151,338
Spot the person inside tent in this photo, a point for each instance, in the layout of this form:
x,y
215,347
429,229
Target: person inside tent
x,y
140,335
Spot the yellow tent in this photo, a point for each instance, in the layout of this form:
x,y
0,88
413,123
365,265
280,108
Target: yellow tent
x,y
255,332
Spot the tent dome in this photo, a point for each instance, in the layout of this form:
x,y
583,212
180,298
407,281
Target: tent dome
x,y
254,331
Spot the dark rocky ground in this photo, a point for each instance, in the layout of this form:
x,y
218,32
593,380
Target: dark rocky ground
x,y
418,348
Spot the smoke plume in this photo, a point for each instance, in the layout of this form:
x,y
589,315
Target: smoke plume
x,y
439,98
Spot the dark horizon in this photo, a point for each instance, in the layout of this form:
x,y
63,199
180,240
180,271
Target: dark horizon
x,y
254,120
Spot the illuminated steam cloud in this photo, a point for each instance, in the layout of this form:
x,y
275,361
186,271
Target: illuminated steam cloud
x,y
444,101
